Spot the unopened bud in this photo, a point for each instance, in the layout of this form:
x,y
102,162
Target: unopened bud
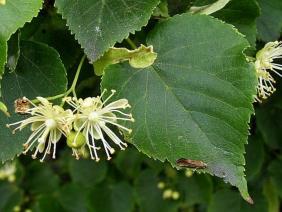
x,y
161,185
167,194
75,139
175,195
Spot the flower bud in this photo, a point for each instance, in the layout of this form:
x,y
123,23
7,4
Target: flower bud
x,y
188,173
75,140
167,194
175,195
161,185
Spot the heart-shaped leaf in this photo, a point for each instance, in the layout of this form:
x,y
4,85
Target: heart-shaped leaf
x,y
195,102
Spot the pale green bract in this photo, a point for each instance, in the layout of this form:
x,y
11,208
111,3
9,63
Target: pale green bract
x,y
195,101
141,57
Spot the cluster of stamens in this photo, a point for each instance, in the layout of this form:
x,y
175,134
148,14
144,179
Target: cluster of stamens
x,y
87,121
264,64
92,115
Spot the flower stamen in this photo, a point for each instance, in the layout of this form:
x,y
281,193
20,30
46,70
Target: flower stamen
x,y
92,116
48,124
264,64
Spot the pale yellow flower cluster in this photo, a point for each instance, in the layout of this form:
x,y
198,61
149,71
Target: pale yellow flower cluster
x,y
84,126
168,193
8,171
266,62
92,115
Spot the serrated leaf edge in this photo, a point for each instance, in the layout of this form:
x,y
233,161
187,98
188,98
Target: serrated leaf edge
x,y
113,42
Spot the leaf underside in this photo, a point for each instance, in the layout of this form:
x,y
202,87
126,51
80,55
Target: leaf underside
x,y
195,102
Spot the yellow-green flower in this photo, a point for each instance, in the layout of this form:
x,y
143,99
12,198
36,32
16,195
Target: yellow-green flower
x,y
91,119
265,64
48,123
3,2
8,171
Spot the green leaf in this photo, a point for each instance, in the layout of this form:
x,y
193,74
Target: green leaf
x,y
161,10
268,119
197,189
243,15
10,144
99,24
275,172
227,200
40,179
149,197
51,29
87,172
155,165
270,21
73,198
254,157
195,102
39,72
15,13
42,204
138,58
10,197
112,198
129,162
271,194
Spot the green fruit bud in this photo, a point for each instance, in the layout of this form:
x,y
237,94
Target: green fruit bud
x,y
75,140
